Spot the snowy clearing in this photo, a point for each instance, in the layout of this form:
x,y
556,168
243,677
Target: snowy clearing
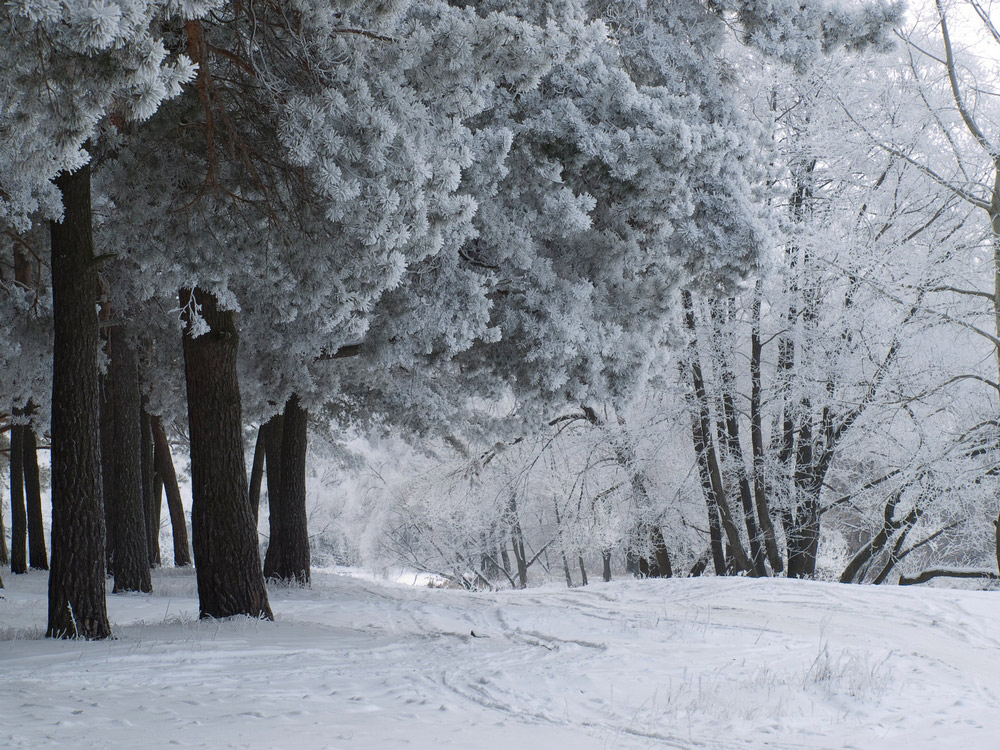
x,y
358,663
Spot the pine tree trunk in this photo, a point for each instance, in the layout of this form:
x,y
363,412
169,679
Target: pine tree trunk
x,y
165,470
18,515
151,491
37,555
107,448
289,561
123,493
257,473
273,433
226,557
4,552
77,605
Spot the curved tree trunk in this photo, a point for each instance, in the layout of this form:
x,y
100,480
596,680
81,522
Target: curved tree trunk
x,y
77,605
123,493
226,557
165,471
37,556
288,547
18,515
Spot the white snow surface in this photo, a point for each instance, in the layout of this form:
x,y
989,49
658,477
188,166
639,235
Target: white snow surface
x,y
355,662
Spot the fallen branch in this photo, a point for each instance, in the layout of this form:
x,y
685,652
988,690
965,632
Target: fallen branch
x,y
947,573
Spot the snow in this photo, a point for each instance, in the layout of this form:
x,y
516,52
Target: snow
x,y
357,662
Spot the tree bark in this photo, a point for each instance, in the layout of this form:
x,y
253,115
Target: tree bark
x,y
700,414
257,473
517,542
77,605
107,448
289,561
273,434
757,439
661,558
18,514
37,555
151,491
227,560
4,552
123,493
877,543
729,435
606,565
165,470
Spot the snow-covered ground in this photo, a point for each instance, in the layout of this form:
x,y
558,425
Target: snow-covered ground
x,y
357,663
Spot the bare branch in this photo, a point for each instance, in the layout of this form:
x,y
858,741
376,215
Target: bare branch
x,y
967,117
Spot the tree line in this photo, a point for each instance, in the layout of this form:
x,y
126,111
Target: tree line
x,y
227,217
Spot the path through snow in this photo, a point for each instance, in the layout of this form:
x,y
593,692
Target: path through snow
x,y
718,664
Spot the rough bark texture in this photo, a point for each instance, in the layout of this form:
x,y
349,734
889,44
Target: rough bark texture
x,y
151,491
226,557
257,473
165,471
77,606
288,553
123,493
37,555
18,515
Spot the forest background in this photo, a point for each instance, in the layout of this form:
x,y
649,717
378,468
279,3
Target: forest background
x,y
498,293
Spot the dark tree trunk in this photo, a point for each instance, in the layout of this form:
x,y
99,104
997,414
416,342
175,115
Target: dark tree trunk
x,y
165,470
583,570
729,435
288,553
606,565
107,448
37,556
757,440
4,552
77,605
151,491
18,515
517,542
714,522
273,434
660,556
226,557
705,445
257,473
123,493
